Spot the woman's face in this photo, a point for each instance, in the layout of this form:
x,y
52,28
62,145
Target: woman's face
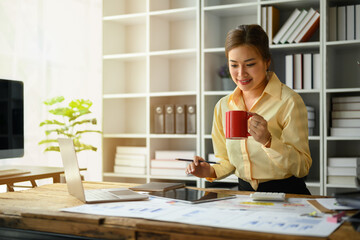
x,y
248,68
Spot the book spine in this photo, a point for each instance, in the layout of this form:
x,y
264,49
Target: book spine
x,y
346,106
308,81
343,162
341,171
131,150
341,23
174,154
316,69
298,71
345,132
134,157
129,170
357,21
332,23
264,19
339,123
155,163
130,163
350,22
346,180
346,99
289,71
167,172
345,114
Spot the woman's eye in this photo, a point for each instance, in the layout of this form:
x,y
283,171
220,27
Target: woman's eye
x,y
251,64
233,65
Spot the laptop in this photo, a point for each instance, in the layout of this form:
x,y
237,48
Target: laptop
x,y
75,186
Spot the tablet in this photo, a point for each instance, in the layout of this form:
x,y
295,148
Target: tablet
x,y
192,195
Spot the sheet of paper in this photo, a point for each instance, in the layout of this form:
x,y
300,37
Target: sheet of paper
x,y
298,205
237,213
332,204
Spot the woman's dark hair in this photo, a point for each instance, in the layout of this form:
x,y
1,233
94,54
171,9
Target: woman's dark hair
x,y
252,35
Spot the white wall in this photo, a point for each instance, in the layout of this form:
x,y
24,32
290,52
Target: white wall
x,y
54,47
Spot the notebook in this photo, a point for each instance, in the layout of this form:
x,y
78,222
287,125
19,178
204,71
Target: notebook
x,y
75,186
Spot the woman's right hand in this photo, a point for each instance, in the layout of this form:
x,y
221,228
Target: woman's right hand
x,y
200,168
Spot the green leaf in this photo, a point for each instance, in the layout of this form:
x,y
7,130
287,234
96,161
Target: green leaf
x,y
80,104
48,141
92,121
87,131
82,147
54,100
79,114
51,122
59,131
52,148
66,112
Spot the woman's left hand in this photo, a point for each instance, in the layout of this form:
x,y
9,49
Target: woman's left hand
x,y
258,128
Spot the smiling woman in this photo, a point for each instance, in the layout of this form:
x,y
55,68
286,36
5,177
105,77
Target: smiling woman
x,y
276,156
54,47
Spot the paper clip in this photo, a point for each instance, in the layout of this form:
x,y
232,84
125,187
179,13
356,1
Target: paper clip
x,y
335,218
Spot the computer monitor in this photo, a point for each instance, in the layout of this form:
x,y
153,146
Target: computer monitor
x,y
11,119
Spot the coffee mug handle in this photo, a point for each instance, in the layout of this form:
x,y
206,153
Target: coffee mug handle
x,y
249,115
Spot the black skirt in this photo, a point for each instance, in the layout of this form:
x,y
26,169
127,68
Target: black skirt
x,y
289,185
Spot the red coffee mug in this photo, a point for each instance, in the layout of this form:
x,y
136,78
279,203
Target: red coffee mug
x,y
237,124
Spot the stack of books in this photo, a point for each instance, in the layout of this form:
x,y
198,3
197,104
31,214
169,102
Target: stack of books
x,y
299,27
165,163
130,160
343,170
302,71
345,116
311,120
344,22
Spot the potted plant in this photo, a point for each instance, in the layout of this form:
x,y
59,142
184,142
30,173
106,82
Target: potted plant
x,y
68,122
226,82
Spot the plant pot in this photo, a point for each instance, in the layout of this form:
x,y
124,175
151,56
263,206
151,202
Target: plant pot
x,y
228,84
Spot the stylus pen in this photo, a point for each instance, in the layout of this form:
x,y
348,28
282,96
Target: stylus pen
x,y
191,160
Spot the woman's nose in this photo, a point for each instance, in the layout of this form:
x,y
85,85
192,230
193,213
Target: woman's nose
x,y
241,72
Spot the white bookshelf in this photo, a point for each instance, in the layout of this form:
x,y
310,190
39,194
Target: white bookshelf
x,y
226,15
341,78
169,51
151,56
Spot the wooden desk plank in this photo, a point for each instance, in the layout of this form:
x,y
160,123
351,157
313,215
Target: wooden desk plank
x,y
76,228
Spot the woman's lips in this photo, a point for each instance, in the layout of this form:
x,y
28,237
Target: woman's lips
x,y
244,81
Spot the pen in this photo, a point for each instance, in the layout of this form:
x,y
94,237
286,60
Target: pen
x,y
191,160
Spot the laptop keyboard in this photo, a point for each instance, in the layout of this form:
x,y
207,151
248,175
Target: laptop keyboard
x,y
98,195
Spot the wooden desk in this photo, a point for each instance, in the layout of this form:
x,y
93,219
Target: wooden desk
x,y
35,173
37,209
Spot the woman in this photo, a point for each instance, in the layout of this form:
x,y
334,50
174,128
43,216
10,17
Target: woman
x,y
276,156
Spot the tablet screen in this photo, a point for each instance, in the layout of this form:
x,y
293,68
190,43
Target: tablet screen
x,y
192,195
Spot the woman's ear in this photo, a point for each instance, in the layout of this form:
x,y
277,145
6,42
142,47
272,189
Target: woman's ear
x,y
268,65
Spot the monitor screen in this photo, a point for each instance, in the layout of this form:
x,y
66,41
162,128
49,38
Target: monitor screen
x,y
11,118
